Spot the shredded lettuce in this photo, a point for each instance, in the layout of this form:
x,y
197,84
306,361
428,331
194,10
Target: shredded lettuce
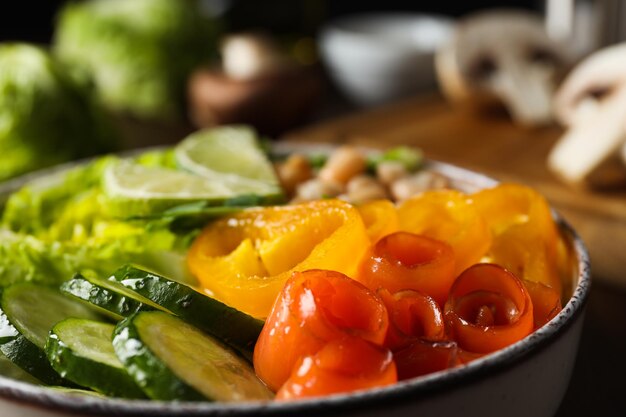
x,y
27,258
57,226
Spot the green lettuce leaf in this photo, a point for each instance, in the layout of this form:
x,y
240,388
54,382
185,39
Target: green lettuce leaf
x,y
59,225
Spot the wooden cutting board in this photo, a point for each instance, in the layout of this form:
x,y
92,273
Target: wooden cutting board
x,y
493,145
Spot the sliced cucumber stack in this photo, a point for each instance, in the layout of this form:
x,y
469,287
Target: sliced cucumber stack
x,y
108,295
233,327
28,313
82,351
172,360
10,370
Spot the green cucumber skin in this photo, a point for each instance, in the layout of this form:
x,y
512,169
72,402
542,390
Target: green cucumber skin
x,y
100,377
25,354
148,371
33,360
231,326
118,304
45,307
23,351
10,370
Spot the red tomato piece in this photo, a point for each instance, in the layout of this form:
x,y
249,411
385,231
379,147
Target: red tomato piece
x,y
343,365
488,309
406,261
313,308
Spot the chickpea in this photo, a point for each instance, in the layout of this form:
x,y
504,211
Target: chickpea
x,y
294,171
363,188
314,189
344,163
390,171
407,187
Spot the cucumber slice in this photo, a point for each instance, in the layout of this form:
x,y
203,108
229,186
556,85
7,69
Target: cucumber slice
x,y
28,312
10,370
82,352
110,296
172,360
231,326
31,359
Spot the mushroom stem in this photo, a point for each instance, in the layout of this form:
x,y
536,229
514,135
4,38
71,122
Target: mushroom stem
x,y
527,94
591,141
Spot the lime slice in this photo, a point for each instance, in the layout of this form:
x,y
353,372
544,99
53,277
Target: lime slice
x,y
137,190
217,166
230,155
129,180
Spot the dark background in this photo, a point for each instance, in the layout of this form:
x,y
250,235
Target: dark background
x,y
32,20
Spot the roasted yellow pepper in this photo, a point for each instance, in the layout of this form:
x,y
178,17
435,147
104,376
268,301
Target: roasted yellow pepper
x,y
448,216
244,260
380,218
525,237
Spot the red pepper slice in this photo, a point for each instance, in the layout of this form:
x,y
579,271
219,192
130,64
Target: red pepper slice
x,y
546,302
406,261
342,365
488,309
313,308
412,316
463,357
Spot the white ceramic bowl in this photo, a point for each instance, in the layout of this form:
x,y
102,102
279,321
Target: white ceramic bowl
x,y
375,58
528,378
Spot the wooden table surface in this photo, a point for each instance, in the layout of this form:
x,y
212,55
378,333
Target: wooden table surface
x,y
492,145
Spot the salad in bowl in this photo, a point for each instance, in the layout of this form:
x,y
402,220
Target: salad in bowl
x,y
277,280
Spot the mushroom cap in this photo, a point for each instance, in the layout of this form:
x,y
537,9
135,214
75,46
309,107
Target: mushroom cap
x,y
482,40
595,78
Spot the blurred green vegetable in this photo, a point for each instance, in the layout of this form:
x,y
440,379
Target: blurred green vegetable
x,y
411,158
137,53
44,118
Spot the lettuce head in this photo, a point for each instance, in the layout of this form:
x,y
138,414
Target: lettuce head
x,y
45,119
137,54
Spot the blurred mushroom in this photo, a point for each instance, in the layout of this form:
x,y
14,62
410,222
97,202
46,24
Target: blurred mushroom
x,y
248,56
258,84
592,104
502,56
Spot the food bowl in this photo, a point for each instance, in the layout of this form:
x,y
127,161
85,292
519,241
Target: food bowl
x,y
528,378
375,58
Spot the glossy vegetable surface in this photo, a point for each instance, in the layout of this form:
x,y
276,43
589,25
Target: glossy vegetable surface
x,y
488,309
244,260
314,308
402,260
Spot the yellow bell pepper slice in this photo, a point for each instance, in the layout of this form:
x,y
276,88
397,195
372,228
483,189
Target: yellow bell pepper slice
x,y
244,260
526,240
380,218
449,216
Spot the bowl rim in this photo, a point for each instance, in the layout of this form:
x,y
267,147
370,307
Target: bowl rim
x,y
412,390
341,27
